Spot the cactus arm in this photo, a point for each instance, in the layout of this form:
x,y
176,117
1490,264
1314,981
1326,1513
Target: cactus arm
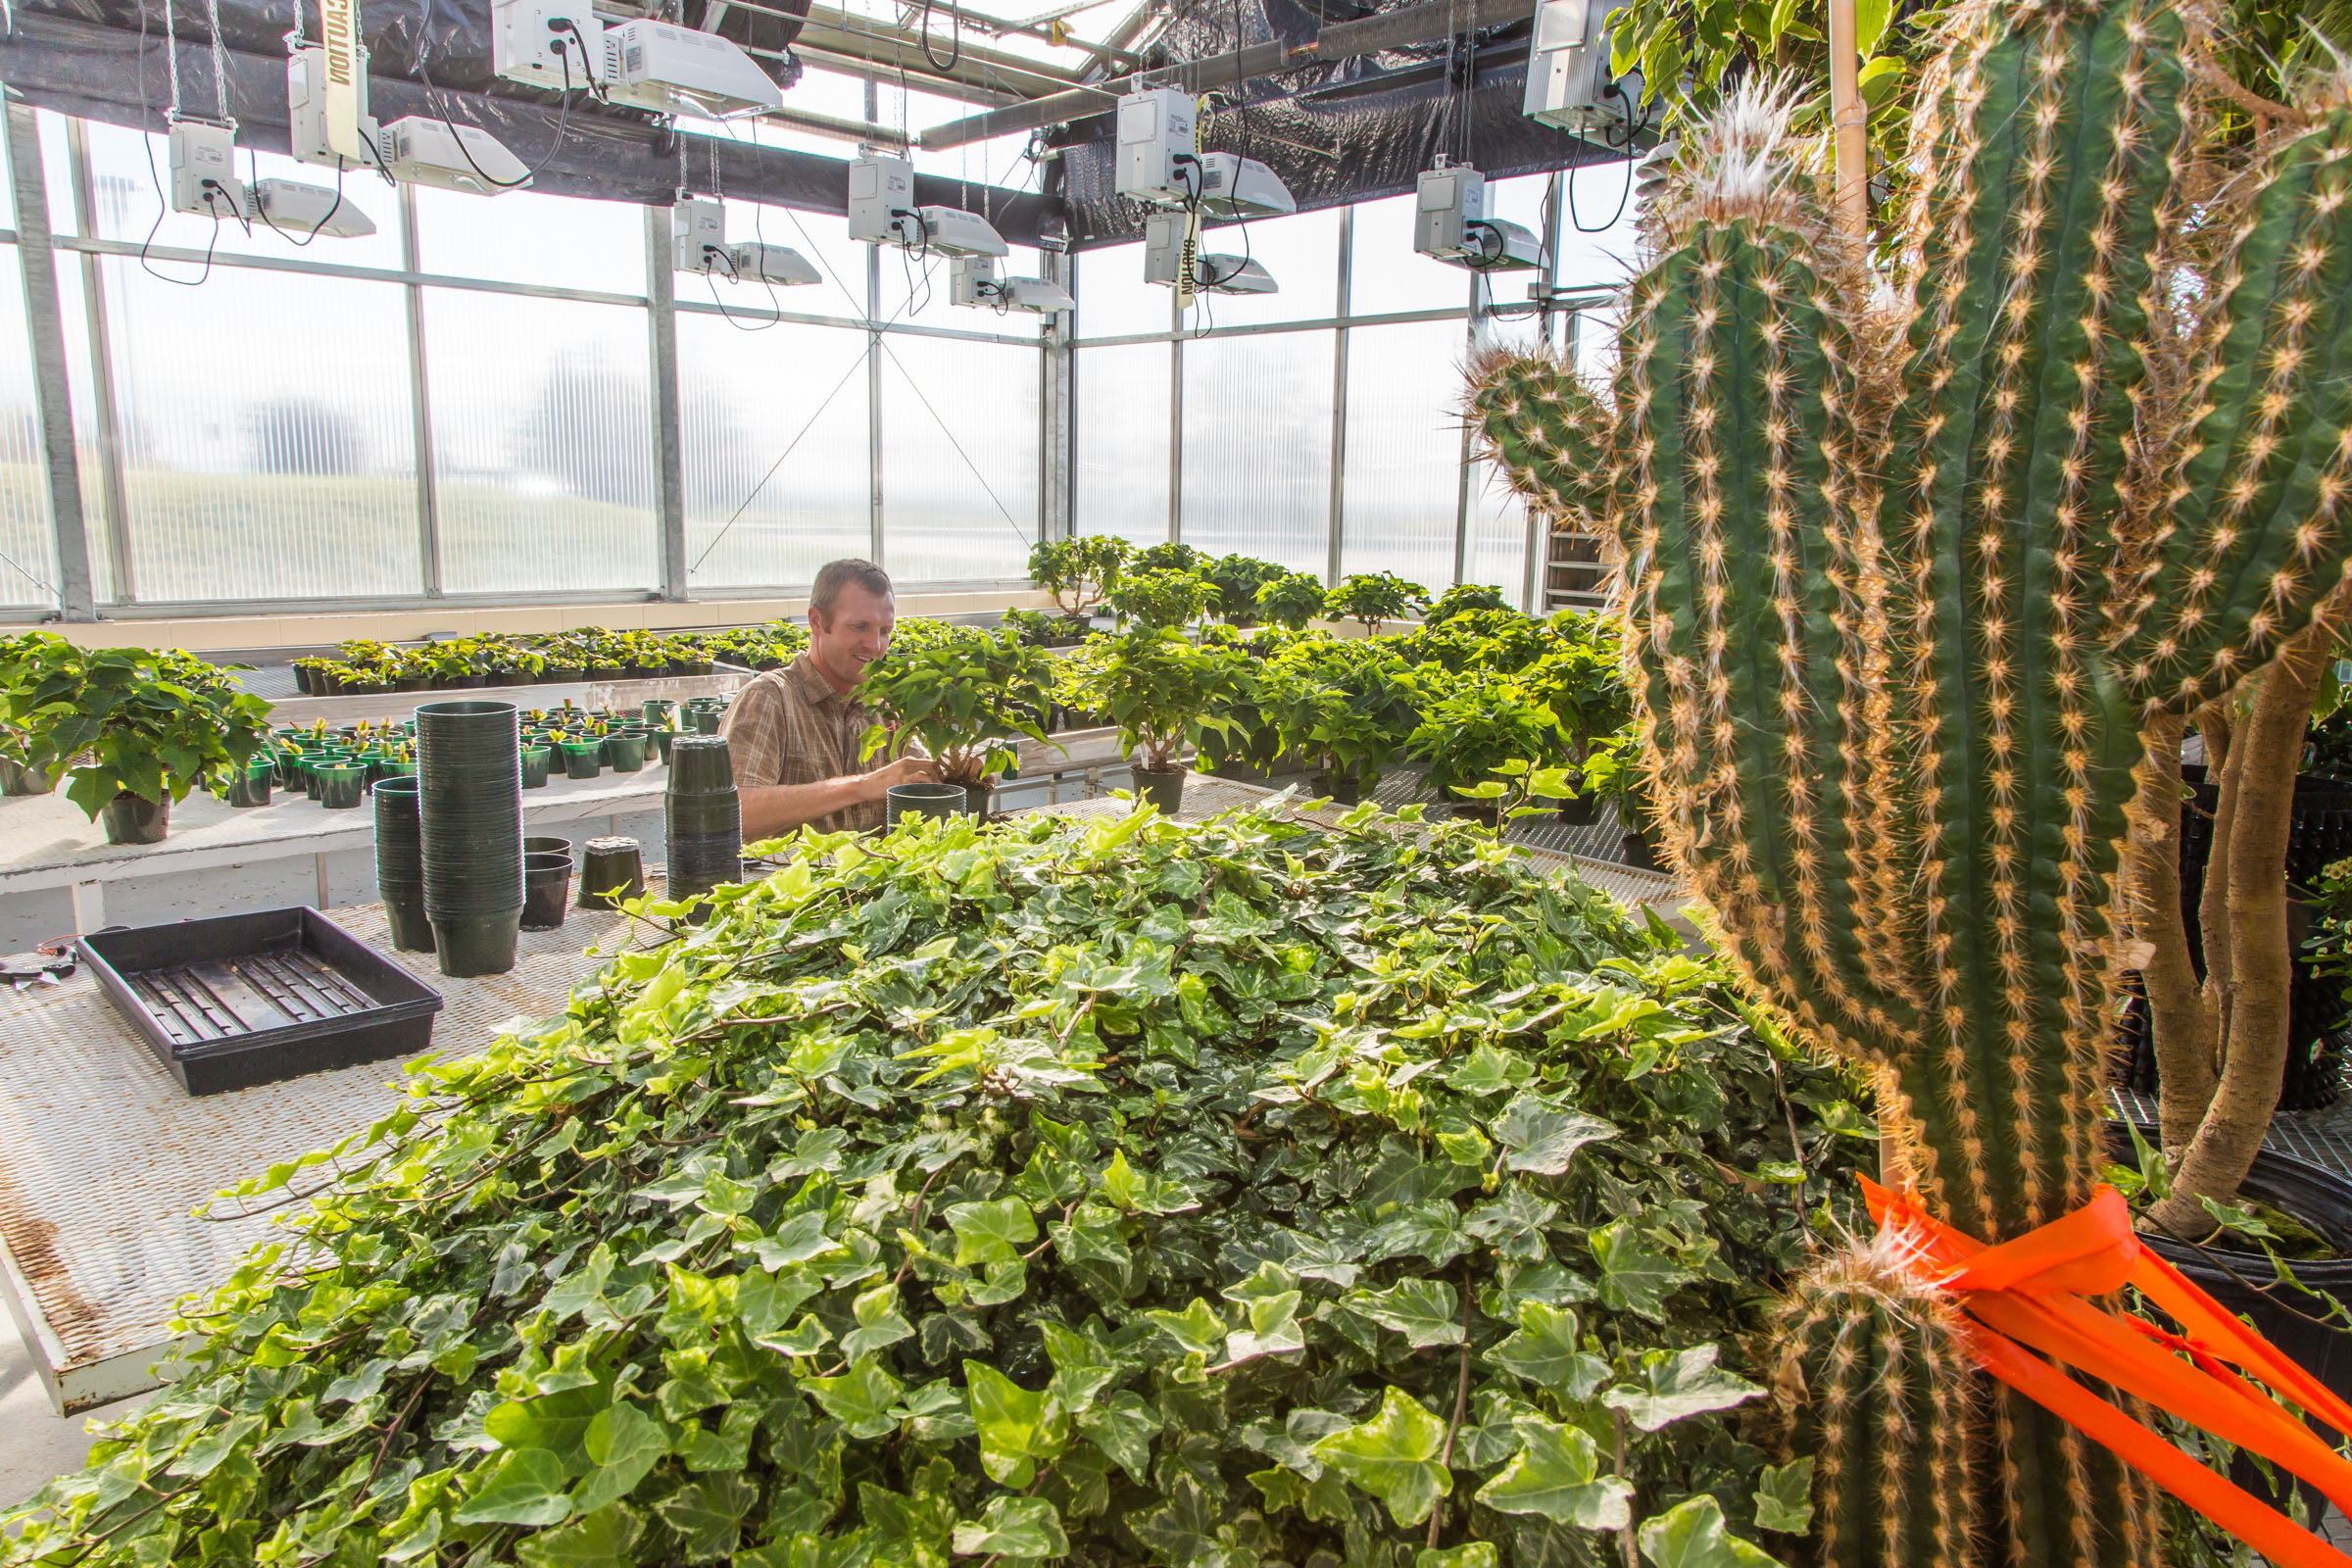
x,y
2252,521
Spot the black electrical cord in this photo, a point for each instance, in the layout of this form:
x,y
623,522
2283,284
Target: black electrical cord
x,y
1632,130
562,108
955,41
253,171
735,275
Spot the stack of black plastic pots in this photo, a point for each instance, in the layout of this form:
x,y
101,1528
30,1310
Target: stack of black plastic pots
x,y
400,864
470,797
705,818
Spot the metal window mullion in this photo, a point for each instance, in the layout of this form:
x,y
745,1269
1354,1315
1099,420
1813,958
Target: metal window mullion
x,y
1055,448
873,374
1335,523
420,408
1461,492
52,389
114,485
1175,422
668,437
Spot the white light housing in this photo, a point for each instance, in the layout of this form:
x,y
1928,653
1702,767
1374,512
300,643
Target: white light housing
x,y
973,281
652,65
1234,186
697,231
1233,275
204,161
302,211
306,109
1569,83
952,231
426,150
1158,158
555,44
882,200
1450,224
779,265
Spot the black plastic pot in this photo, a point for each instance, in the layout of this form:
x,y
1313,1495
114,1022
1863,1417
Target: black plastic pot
x,y
546,890
536,761
612,869
130,819
698,764
942,801
1344,788
1163,790
978,798
547,844
470,798
465,946
18,779
1580,811
1636,851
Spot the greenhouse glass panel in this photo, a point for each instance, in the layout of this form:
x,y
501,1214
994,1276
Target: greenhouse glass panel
x,y
1119,441
27,545
820,240
518,237
1496,546
128,169
1113,300
1258,447
1600,240
1401,473
88,458
542,443
259,464
778,469
1303,253
959,458
1386,275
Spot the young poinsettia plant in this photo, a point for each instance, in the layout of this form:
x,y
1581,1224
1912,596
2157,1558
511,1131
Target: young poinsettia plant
x,y
1236,579
967,696
1079,573
1373,599
130,721
1290,599
1344,707
1161,596
1166,692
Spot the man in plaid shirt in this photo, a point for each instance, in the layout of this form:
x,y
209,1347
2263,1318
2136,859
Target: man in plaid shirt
x,y
796,735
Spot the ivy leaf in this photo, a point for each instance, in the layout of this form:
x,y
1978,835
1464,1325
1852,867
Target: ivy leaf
x,y
709,1515
1693,1535
1557,1474
1394,1456
624,1444
1469,1554
1270,1299
1784,1496
860,1399
1544,1352
599,1539
996,1232
1013,1526
1197,1328
799,1239
1686,1384
1143,1192
1543,1138
1016,1429
526,1488
1122,1427
1425,1311
1635,1276
879,1321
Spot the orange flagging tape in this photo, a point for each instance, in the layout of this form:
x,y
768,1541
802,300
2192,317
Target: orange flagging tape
x,y
2030,1294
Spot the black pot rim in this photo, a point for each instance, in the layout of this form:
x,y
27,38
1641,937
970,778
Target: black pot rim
x,y
2273,1181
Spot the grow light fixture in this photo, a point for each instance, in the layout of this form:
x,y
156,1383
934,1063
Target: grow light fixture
x,y
554,44
204,159
305,210
973,281
427,150
883,212
1158,159
1171,252
1569,82
1451,223
780,264
1234,186
670,70
306,109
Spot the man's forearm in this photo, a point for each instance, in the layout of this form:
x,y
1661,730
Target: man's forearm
x,y
769,809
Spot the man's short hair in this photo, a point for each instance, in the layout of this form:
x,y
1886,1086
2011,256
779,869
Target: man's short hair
x,y
835,575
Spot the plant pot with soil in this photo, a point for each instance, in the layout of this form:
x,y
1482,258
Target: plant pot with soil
x,y
133,820
582,759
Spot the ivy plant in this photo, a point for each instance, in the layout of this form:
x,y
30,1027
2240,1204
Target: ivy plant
x,y
1107,1190
966,696
128,721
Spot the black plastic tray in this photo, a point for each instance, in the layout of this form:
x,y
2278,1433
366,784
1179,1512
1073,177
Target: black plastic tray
x,y
242,999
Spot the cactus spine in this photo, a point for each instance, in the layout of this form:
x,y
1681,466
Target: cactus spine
x,y
1907,588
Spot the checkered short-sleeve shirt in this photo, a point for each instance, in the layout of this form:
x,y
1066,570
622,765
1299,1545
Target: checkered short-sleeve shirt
x,y
790,727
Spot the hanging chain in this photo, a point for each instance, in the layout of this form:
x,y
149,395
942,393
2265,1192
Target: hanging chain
x,y
172,62
211,10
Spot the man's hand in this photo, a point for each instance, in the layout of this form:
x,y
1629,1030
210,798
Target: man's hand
x,y
905,770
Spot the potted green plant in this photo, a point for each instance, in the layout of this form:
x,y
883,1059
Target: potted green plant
x,y
1610,775
1373,599
1162,598
1164,692
1292,600
1460,598
967,698
1079,573
1170,555
133,728
1236,579
1344,707
1474,722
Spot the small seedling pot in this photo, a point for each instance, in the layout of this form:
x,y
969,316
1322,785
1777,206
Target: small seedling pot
x,y
698,764
547,844
476,944
583,758
250,785
536,761
546,888
1163,790
342,785
611,870
625,750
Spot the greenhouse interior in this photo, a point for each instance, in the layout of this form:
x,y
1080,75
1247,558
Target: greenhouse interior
x,y
1176,783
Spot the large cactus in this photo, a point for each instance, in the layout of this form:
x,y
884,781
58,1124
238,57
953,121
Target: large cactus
x,y
1908,573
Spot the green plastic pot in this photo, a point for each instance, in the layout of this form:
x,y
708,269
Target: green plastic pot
x,y
625,750
536,761
583,758
250,785
342,785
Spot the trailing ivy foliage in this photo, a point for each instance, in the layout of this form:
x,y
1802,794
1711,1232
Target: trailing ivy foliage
x,y
1108,1191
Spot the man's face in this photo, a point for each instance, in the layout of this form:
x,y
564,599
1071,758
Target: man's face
x,y
857,633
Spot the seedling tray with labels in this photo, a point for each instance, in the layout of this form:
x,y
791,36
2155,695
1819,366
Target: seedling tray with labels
x,y
250,999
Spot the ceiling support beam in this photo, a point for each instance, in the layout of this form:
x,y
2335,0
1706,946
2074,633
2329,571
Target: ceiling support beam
x,y
1340,40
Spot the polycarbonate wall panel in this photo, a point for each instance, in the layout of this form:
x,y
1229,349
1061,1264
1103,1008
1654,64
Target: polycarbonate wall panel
x,y
542,443
1497,543
778,470
128,169
27,543
1402,466
520,237
268,448
960,455
1113,300
1258,447
1119,441
1301,251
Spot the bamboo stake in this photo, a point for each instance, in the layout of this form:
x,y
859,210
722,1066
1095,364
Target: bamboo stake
x,y
1850,116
